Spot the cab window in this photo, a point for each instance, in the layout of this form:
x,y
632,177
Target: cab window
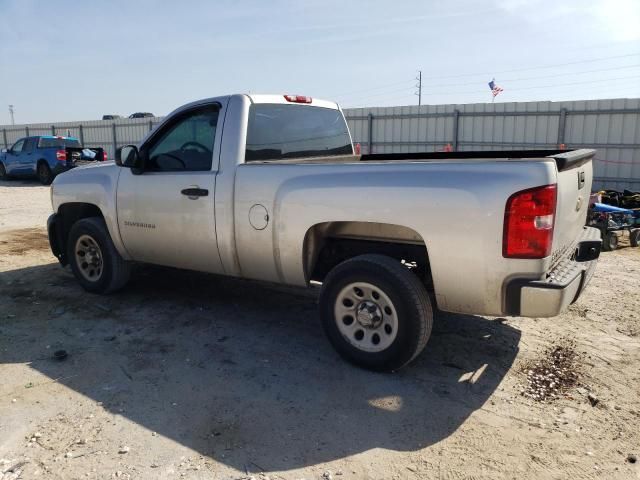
x,y
17,147
186,144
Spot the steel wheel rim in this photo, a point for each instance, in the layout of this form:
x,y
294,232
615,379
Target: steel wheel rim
x,y
366,317
89,258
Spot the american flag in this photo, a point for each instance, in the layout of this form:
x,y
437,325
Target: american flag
x,y
495,89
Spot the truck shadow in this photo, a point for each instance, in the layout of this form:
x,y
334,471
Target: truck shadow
x,y
240,371
21,182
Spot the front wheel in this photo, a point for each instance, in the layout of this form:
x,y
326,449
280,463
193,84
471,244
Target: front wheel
x,y
375,312
44,174
94,260
3,172
634,237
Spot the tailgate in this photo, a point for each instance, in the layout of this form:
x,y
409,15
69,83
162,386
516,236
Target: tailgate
x,y
575,175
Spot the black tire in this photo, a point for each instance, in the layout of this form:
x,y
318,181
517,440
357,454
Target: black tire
x,y
44,173
414,316
609,242
634,237
3,172
114,272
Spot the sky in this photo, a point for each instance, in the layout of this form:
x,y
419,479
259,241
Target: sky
x,y
70,60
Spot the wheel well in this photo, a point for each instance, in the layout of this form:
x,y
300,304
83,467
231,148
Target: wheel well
x,y
328,244
70,213
44,162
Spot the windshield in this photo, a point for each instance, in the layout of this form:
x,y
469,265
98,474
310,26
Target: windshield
x,y
277,132
57,142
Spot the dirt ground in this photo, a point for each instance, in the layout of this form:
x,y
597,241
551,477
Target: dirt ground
x,y
185,375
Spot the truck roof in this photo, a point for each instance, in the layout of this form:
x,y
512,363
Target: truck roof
x,y
281,98
55,136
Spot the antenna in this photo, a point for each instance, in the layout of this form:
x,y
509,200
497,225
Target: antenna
x,y
11,113
419,87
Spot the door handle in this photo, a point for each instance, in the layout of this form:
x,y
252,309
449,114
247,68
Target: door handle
x,y
194,193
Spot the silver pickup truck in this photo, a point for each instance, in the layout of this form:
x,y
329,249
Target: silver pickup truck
x,y
269,187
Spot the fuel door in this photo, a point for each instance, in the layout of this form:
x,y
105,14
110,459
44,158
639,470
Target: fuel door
x,y
258,217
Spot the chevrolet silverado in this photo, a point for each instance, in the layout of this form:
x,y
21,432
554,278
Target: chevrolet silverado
x,y
269,187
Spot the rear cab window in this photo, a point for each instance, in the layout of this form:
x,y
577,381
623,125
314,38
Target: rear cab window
x,y
58,142
280,131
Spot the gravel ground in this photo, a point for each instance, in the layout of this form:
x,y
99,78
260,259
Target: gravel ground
x,y
185,375
23,205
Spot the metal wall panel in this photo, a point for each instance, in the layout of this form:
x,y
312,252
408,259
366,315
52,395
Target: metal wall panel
x,y
93,133
611,126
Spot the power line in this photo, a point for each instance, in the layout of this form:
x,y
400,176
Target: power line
x,y
521,79
540,86
592,60
578,62
477,92
578,83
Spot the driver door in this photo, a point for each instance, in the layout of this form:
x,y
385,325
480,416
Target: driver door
x,y
166,211
12,158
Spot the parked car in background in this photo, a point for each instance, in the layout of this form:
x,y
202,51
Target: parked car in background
x,y
141,115
45,157
111,117
279,195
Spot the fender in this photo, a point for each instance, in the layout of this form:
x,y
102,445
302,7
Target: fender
x,y
94,185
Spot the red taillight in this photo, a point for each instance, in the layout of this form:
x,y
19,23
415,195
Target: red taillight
x,y
357,148
104,155
297,99
528,223
61,155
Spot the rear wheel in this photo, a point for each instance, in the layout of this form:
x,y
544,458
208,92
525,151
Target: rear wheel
x,y
94,260
610,241
375,312
44,174
634,237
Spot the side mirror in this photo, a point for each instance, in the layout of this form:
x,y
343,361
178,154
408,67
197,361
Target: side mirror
x,y
128,156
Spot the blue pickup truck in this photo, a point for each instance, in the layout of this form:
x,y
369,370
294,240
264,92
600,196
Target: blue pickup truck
x,y
45,156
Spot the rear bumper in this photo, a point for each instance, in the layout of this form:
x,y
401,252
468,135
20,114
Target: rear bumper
x,y
561,286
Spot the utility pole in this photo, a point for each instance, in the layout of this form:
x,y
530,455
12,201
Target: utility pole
x,y
11,113
419,87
